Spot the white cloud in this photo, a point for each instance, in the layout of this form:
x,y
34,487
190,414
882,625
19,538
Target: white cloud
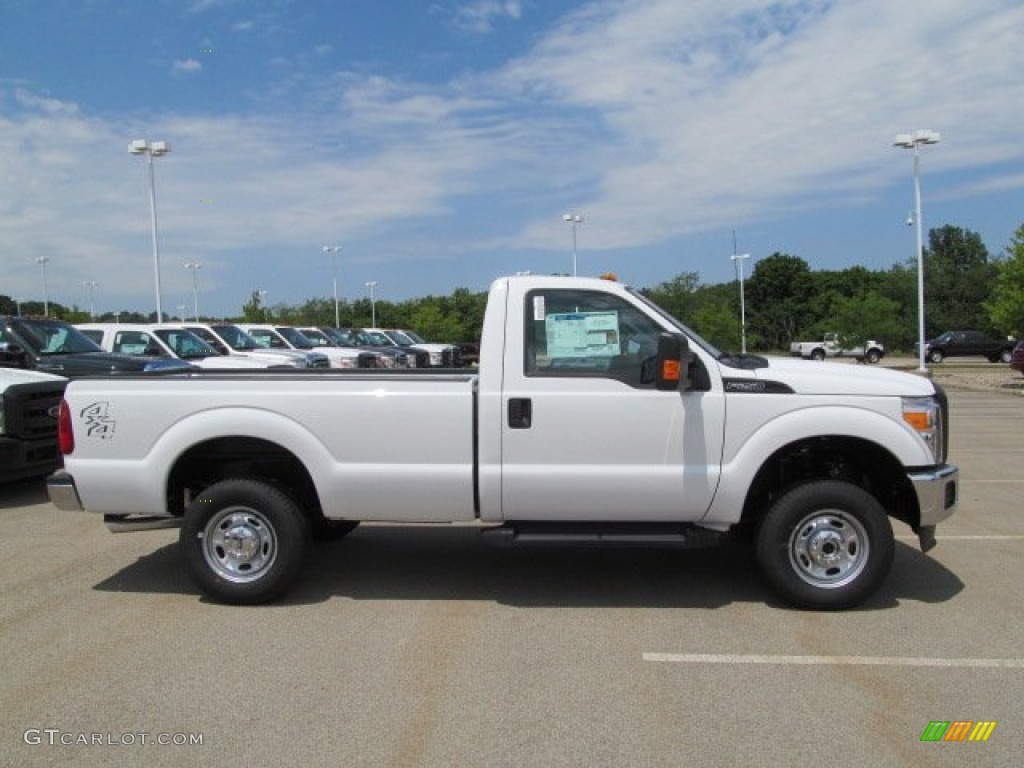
x,y
479,17
186,67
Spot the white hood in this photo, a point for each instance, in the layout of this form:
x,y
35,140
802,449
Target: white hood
x,y
808,377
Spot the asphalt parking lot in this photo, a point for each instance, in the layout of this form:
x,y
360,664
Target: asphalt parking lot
x,y
427,648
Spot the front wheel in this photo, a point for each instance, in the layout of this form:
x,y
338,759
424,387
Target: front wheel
x,y
873,356
935,356
1006,356
818,354
826,545
243,541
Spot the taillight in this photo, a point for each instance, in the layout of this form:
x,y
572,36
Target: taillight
x,y
65,435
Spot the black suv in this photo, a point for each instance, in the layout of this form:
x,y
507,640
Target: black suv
x,y
53,346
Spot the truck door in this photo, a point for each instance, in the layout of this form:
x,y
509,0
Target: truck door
x,y
583,437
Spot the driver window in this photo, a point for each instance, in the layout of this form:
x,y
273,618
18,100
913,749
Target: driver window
x,y
587,333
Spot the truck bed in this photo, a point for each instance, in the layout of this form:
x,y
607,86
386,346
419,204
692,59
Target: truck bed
x,y
394,446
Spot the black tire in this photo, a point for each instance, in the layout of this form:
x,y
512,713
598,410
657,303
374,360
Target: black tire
x,y
332,530
873,356
1006,356
818,354
935,356
243,541
826,544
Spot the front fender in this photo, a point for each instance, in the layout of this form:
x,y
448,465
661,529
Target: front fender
x,y
746,454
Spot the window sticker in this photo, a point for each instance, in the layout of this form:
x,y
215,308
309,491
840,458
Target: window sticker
x,y
582,334
538,307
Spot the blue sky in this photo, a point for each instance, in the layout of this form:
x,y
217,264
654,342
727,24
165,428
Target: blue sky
x,y
440,142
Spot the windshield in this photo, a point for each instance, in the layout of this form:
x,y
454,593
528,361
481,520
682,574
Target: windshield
x,y
295,338
340,338
403,338
54,337
186,344
415,337
318,337
236,338
693,335
375,339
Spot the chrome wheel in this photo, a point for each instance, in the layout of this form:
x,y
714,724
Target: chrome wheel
x,y
829,549
239,544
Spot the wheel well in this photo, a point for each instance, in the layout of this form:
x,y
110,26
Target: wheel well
x,y
835,457
214,460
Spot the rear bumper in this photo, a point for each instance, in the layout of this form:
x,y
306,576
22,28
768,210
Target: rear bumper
x,y
60,486
937,492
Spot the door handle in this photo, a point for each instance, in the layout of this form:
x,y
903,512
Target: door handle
x,y
520,412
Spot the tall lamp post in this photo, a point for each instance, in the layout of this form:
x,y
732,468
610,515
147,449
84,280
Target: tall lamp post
x,y
914,141
151,150
46,291
91,285
373,304
333,250
195,266
575,219
738,259
263,298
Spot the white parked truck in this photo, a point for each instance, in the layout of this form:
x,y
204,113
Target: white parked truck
x,y
831,345
594,417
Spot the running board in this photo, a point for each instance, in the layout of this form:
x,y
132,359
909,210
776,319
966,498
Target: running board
x,y
126,523
607,534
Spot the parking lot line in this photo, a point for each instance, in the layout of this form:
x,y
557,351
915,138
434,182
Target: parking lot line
x,y
877,661
968,537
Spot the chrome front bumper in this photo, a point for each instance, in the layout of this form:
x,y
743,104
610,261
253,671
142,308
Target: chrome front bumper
x,y
937,493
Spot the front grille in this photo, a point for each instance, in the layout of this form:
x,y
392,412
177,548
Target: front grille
x,y
422,359
451,358
367,360
31,410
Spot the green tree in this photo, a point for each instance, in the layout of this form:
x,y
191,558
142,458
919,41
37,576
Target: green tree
x,y
778,297
1005,307
958,278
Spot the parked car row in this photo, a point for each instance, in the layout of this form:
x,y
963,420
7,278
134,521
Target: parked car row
x,y
266,345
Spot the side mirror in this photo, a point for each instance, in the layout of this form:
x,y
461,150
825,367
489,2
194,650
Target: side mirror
x,y
669,368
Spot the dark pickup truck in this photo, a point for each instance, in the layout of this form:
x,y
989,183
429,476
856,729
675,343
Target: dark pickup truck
x,y
53,346
28,423
968,344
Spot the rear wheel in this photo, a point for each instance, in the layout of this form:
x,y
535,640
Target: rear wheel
x,y
873,356
243,541
818,354
935,356
1006,356
826,544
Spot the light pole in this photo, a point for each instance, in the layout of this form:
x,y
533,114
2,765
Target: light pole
x,y
333,250
738,259
914,141
195,266
373,304
46,291
575,219
151,150
91,285
263,298
18,303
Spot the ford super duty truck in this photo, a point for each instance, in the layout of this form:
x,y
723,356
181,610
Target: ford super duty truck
x,y
594,417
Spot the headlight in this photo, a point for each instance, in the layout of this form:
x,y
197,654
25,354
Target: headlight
x,y
348,362
436,359
924,415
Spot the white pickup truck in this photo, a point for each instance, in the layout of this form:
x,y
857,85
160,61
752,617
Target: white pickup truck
x,y
594,417
832,346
